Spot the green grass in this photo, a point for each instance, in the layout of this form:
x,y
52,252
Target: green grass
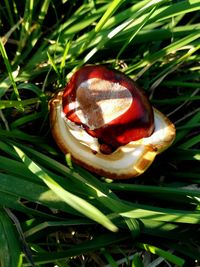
x,y
54,213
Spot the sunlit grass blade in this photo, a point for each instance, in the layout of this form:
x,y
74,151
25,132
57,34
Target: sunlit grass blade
x,y
133,226
165,254
53,64
16,104
177,8
112,8
6,83
138,28
121,27
13,188
41,16
67,47
158,214
9,69
150,59
74,201
137,261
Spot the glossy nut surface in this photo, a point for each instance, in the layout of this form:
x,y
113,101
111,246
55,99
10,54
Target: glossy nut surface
x,y
108,105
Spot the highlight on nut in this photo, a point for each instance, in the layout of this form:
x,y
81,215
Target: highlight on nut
x,y
107,123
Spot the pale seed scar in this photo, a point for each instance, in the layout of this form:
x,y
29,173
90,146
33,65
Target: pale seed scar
x,y
98,102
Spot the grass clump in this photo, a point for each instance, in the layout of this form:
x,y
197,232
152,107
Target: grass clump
x,y
52,214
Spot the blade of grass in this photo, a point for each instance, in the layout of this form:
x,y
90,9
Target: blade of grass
x,y
136,31
6,83
181,84
165,254
173,47
126,13
16,186
176,100
17,134
26,119
30,33
53,64
112,8
172,67
13,202
137,261
158,192
109,259
80,176
25,29
133,226
9,243
10,32
185,154
167,215
191,142
18,104
9,69
26,248
114,32
175,9
66,50
17,167
9,10
185,249
41,16
75,202
181,134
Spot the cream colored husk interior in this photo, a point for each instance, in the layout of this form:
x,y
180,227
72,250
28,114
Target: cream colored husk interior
x,y
127,161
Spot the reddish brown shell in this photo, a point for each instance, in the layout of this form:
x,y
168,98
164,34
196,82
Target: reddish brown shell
x,y
135,123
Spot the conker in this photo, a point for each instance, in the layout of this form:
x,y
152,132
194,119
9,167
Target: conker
x,y
109,106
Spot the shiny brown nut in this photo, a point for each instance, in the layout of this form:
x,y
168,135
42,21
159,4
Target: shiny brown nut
x,y
108,105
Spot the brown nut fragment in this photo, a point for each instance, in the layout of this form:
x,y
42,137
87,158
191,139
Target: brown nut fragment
x,y
116,159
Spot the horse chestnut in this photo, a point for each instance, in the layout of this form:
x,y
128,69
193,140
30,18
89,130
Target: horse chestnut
x,y
109,106
107,123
